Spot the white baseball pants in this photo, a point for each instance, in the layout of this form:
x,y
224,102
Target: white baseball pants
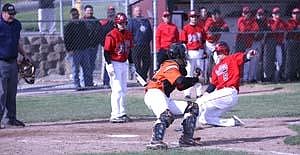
x,y
213,105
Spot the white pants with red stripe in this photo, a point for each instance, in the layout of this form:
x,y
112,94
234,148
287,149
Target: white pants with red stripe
x,y
118,84
158,102
213,105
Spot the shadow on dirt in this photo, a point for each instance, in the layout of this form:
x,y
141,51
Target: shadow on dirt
x,y
240,140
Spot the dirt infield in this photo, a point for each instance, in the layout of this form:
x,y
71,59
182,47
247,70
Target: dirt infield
x,y
259,136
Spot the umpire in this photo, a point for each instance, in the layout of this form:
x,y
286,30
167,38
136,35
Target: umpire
x,y
9,47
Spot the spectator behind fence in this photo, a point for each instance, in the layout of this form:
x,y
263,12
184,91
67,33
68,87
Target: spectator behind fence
x,y
75,38
293,47
117,50
203,16
274,56
46,13
142,36
107,26
193,36
94,38
247,25
9,48
213,27
259,41
166,34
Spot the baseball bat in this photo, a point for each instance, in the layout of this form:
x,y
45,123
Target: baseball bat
x,y
140,79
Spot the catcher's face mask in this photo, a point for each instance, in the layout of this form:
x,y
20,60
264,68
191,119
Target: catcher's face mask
x,y
27,71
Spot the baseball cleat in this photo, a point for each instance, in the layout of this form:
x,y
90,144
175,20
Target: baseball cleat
x,y
187,142
157,145
238,121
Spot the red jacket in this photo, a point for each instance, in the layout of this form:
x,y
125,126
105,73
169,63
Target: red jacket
x,y
193,37
118,44
166,34
246,25
293,25
227,72
277,25
214,26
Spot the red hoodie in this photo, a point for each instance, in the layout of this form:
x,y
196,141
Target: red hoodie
x,y
211,24
277,25
293,25
246,25
166,34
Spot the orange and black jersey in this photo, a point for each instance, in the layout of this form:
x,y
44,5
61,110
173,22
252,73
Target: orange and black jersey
x,y
171,75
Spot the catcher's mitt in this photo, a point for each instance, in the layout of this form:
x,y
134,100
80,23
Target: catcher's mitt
x,y
26,71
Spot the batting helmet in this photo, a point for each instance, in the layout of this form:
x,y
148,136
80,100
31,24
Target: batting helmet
x,y
120,18
177,51
27,71
222,48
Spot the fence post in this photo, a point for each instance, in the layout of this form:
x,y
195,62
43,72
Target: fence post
x,y
154,33
192,4
61,18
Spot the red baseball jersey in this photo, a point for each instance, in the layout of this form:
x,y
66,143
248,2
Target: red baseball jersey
x,y
227,72
118,44
293,25
277,25
166,34
193,37
210,23
246,25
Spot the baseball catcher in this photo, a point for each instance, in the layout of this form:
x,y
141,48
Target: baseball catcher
x,y
222,93
26,70
171,75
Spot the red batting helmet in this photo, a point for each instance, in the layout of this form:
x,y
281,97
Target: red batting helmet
x,y
222,48
120,18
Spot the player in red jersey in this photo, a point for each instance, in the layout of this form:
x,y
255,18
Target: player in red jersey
x,y
117,48
293,47
222,93
166,34
194,38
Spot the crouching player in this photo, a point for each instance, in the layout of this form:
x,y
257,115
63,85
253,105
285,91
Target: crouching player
x,y
169,76
222,93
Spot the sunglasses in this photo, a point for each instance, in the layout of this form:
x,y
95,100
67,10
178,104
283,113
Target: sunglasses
x,y
193,16
166,16
295,12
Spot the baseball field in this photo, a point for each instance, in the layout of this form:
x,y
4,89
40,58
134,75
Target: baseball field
x,y
72,122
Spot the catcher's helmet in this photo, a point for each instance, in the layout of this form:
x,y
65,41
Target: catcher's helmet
x,y
120,18
222,48
177,51
27,71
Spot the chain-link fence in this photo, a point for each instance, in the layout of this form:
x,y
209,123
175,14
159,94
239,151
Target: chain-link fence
x,y
278,48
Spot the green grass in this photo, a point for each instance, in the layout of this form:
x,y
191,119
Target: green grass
x,y
177,152
73,107
293,140
97,105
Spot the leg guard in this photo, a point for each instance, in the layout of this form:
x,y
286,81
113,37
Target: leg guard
x,y
189,124
165,119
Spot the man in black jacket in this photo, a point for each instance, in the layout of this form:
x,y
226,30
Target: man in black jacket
x,y
141,29
75,37
94,38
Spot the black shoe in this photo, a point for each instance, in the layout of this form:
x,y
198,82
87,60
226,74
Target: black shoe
x,y
15,122
187,142
2,126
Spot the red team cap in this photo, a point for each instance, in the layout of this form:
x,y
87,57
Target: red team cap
x,y
193,13
166,13
246,9
222,48
276,10
120,18
296,10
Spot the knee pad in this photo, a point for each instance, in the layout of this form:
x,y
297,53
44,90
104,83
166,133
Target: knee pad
x,y
167,118
192,108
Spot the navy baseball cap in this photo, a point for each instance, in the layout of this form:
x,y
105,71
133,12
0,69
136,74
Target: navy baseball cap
x,y
9,8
